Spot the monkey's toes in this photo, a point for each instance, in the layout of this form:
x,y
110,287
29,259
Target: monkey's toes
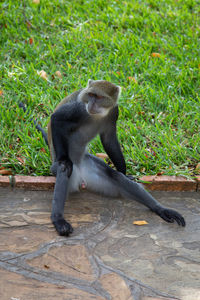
x,y
63,227
170,215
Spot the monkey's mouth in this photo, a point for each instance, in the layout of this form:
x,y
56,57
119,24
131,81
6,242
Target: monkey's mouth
x,y
92,112
92,109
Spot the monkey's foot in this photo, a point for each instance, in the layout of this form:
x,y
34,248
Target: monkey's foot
x,y
170,215
63,227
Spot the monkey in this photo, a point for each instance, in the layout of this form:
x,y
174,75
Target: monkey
x,y
79,117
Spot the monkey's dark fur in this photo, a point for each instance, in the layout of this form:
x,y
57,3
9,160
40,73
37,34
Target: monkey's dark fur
x,y
76,120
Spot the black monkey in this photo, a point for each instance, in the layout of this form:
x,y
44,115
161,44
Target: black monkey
x,y
76,120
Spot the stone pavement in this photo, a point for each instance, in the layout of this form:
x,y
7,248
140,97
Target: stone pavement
x,y
107,257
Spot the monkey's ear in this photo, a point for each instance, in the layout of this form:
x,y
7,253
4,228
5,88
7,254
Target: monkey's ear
x,y
117,91
90,81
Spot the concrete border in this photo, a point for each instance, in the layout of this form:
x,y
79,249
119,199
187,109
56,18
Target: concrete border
x,y
152,182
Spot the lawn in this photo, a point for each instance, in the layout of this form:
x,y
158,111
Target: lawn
x,y
149,48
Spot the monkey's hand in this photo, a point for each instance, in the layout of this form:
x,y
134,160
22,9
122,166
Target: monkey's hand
x,y
63,227
66,165
170,215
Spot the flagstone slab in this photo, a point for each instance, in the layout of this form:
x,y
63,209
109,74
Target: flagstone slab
x,y
116,286
106,257
17,287
71,260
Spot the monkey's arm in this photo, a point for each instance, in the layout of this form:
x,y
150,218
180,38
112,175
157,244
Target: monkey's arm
x,y
110,142
64,121
112,148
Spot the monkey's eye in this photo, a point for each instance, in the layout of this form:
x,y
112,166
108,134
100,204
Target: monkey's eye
x,y
99,97
92,95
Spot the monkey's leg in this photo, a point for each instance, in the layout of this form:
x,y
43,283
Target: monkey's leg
x,y
59,198
101,178
133,190
54,168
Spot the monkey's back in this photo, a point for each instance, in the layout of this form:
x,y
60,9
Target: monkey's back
x,y
70,98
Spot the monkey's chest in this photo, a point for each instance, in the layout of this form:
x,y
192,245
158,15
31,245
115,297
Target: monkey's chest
x,y
78,142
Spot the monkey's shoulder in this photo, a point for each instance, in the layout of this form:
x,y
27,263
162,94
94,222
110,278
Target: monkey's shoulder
x,y
70,98
113,114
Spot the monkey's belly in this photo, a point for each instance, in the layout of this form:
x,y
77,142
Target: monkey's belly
x,y
84,176
90,176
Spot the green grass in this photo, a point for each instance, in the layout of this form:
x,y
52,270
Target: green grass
x,y
159,123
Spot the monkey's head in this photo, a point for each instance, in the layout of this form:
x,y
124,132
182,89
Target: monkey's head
x,y
100,97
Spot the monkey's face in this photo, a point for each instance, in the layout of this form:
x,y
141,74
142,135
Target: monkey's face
x,y
96,104
99,97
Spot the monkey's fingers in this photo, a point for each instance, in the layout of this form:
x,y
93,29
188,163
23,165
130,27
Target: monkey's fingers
x,y
63,227
170,215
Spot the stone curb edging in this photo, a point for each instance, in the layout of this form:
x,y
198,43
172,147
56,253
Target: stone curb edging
x,y
171,183
152,182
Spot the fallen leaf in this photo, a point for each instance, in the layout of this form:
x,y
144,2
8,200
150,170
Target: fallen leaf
x,y
140,223
5,172
43,150
154,154
118,73
160,173
102,155
1,92
58,73
31,41
132,79
155,54
20,160
43,74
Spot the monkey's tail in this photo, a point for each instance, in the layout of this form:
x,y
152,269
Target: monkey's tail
x,y
38,127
